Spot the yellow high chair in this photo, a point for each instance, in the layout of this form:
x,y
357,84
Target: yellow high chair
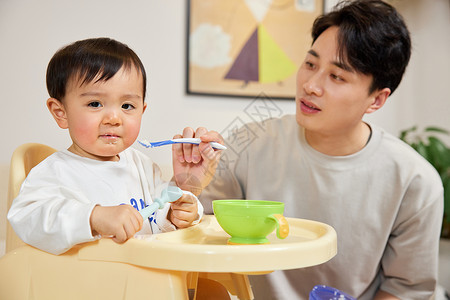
x,y
161,266
24,158
29,273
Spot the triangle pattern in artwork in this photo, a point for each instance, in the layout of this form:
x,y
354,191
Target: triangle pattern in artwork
x,y
274,64
245,66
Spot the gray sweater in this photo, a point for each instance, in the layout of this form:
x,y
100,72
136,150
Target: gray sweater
x,y
385,203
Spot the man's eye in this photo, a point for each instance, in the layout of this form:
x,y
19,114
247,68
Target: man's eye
x,y
310,65
337,77
127,106
95,104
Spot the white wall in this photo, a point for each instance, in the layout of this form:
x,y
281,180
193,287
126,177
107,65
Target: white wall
x,y
31,31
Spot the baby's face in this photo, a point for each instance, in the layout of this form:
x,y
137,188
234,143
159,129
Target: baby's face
x,y
104,117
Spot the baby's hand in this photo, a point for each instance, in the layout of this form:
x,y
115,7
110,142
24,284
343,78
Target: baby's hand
x,y
183,211
121,222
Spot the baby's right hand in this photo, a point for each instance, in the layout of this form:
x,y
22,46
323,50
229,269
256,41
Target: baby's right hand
x,y
121,222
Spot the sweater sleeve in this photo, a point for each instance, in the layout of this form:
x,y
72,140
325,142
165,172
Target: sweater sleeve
x,y
410,263
49,216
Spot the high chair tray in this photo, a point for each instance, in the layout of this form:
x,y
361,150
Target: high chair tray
x,y
203,248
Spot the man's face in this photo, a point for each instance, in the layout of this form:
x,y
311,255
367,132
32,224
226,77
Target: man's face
x,y
332,97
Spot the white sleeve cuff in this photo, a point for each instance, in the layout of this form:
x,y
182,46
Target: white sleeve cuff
x,y
164,225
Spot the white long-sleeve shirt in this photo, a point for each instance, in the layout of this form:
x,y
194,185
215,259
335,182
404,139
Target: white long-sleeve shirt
x,y
53,208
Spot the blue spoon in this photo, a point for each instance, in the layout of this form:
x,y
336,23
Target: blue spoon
x,y
196,141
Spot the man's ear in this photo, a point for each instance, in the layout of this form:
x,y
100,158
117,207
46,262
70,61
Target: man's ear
x,y
58,112
145,107
379,99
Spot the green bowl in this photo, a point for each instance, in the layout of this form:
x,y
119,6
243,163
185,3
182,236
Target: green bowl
x,y
250,221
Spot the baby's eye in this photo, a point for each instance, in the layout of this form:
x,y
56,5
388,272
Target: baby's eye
x,y
127,106
95,104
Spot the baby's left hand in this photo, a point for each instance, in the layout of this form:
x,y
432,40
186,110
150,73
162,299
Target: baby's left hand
x,y
183,211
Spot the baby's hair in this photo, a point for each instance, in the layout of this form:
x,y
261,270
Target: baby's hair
x,y
91,59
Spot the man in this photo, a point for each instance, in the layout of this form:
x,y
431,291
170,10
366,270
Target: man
x,y
326,164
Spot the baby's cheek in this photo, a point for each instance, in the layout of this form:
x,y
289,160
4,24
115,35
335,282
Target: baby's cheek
x,y
87,132
83,131
133,132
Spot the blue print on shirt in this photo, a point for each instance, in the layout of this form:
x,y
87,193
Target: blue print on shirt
x,y
143,205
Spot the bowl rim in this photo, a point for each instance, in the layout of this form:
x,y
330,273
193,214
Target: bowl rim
x,y
247,202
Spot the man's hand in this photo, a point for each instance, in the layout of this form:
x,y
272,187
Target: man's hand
x,y
194,165
183,211
121,222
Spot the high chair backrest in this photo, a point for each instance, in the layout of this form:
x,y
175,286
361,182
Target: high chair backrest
x,y
24,158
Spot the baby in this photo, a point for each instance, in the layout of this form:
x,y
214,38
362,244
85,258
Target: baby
x,y
98,185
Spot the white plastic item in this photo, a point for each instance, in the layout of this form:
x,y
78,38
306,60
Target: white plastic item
x,y
170,194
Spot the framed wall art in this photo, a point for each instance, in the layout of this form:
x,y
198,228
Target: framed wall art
x,y
248,47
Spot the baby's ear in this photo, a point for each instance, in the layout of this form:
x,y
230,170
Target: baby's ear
x,y
58,112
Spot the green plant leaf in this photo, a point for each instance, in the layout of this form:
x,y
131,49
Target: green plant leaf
x,y
437,129
439,154
445,163
405,132
423,150
446,183
414,146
